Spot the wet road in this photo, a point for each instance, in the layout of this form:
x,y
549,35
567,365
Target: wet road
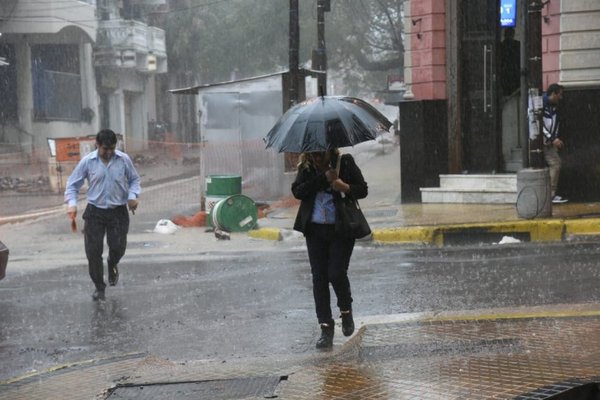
x,y
225,306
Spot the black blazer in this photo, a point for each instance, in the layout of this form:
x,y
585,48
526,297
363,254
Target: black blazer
x,y
309,181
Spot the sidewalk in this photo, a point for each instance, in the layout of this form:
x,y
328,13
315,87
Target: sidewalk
x,y
527,353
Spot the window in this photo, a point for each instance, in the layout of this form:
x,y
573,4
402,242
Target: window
x,y
56,82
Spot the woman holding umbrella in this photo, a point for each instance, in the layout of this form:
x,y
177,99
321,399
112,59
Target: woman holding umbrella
x,y
320,185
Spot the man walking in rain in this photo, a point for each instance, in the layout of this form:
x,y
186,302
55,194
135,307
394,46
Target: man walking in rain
x,y
114,185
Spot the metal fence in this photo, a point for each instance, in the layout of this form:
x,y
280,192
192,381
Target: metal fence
x,y
37,175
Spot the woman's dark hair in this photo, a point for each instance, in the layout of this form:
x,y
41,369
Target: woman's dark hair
x,y
305,161
106,137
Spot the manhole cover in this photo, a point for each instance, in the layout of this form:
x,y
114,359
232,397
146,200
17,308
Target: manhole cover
x,y
246,388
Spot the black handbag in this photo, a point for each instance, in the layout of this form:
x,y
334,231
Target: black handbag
x,y
352,220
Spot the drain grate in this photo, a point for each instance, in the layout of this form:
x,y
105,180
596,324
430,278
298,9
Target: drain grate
x,y
246,388
574,389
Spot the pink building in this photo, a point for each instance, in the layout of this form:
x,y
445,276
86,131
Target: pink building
x,y
459,116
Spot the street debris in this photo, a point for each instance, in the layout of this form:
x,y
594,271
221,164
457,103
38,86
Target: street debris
x,y
222,235
166,227
508,240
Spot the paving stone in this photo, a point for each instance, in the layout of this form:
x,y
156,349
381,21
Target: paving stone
x,y
528,358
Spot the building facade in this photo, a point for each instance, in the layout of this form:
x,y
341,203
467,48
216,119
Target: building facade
x,y
456,67
47,74
129,54
69,68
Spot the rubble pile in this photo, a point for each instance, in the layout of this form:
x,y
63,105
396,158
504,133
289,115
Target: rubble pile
x,y
18,184
142,159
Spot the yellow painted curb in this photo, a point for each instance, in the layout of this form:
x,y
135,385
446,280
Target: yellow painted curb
x,y
539,230
411,234
265,233
582,226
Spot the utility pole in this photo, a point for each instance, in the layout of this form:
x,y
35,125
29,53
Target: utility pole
x,y
319,57
294,44
534,45
533,184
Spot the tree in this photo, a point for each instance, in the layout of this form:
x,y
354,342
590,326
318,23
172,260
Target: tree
x,y
218,38
366,50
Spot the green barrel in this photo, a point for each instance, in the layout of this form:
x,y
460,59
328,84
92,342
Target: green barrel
x,y
235,213
223,185
219,187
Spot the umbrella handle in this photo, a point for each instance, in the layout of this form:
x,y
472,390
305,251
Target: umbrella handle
x,y
338,164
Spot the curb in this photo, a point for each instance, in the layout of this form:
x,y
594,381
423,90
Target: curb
x,y
543,230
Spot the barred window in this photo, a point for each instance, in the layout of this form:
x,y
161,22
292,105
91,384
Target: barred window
x,y
56,82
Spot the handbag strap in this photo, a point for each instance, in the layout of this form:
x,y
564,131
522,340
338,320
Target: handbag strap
x,y
338,164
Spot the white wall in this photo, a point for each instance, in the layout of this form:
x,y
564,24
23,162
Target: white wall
x,y
580,42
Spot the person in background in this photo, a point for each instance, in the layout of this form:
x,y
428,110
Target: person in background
x,y
319,187
113,186
510,63
552,142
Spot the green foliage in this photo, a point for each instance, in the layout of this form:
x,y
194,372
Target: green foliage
x,y
365,42
214,38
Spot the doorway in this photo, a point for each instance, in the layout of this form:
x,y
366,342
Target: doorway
x,y
479,27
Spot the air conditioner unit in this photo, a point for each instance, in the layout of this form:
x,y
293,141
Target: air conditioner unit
x,y
151,62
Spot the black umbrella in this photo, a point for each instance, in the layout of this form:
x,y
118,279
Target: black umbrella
x,y
326,122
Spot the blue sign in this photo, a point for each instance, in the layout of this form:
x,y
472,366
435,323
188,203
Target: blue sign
x,y
508,13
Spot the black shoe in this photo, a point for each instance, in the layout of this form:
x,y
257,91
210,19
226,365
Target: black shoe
x,y
98,295
326,339
347,323
113,275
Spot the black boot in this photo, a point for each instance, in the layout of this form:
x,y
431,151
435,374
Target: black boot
x,y
347,323
326,339
98,295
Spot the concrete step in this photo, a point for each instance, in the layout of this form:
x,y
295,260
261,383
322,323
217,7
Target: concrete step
x,y
506,182
476,188
490,196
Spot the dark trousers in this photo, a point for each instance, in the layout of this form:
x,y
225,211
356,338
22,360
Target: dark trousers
x,y
114,223
329,258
